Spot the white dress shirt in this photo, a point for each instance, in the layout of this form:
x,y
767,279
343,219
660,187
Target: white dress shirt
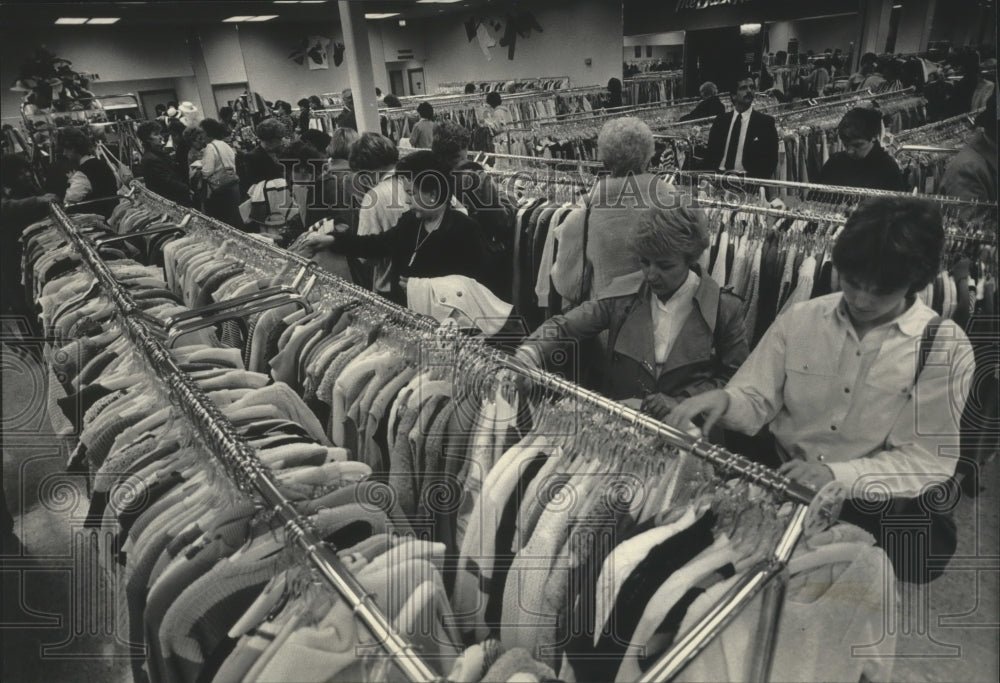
x,y
669,317
851,404
745,123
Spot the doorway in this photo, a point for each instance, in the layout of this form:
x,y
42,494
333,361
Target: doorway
x,y
712,55
396,86
416,77
150,98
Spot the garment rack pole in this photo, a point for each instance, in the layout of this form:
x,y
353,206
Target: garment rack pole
x,y
832,189
735,601
242,462
727,461
759,580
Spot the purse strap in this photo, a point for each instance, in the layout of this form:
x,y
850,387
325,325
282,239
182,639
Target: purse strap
x,y
222,163
926,344
584,293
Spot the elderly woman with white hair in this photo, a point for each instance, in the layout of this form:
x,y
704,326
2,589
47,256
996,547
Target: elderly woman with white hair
x,y
710,105
591,248
672,331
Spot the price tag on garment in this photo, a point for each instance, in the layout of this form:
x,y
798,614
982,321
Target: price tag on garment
x,y
185,220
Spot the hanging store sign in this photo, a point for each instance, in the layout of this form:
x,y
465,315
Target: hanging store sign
x,y
706,4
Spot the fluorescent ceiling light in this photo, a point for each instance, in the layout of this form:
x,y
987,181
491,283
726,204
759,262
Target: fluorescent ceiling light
x,y
438,2
71,20
104,20
234,19
382,15
263,17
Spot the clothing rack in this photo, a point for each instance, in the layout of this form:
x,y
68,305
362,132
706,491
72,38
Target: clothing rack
x,y
947,128
811,510
823,103
240,459
491,86
838,190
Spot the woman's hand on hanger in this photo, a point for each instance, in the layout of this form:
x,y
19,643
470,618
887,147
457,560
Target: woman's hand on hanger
x,y
712,405
659,405
314,242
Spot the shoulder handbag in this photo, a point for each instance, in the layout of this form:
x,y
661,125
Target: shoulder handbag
x,y
222,176
896,529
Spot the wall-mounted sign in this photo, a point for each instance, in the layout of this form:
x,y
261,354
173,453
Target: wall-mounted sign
x,y
705,4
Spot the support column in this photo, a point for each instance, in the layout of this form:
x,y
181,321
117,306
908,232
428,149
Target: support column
x,y
875,16
915,26
201,78
359,65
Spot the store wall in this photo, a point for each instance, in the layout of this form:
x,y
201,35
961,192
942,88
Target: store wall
x,y
815,34
572,33
113,53
127,56
221,47
271,73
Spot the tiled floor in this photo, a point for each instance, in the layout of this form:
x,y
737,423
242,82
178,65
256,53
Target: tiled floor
x,y
58,617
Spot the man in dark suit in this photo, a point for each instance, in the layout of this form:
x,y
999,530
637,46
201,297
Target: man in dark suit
x,y
743,140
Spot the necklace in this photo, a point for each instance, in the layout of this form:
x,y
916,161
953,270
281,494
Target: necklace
x,y
420,242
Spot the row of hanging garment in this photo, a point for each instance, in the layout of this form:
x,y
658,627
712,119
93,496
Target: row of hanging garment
x,y
462,451
432,437
924,169
205,580
806,140
534,253
509,86
476,469
774,263
661,86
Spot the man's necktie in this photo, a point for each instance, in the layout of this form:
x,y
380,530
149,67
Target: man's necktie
x,y
734,143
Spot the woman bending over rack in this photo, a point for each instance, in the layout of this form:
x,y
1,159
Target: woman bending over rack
x,y
672,331
864,386
431,239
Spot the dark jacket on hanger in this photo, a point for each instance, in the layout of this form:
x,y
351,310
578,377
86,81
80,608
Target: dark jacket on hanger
x,y
877,171
259,165
710,106
760,148
455,248
160,175
710,348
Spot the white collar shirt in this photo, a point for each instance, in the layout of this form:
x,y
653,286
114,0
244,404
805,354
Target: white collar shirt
x,y
738,165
